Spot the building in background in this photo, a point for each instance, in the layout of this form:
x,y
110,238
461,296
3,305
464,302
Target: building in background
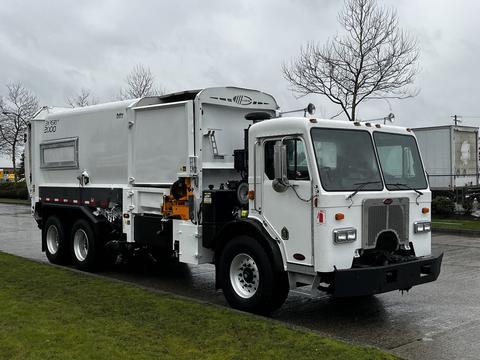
x,y
7,174
6,170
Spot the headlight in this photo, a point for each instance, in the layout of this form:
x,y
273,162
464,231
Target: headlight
x,y
341,236
422,226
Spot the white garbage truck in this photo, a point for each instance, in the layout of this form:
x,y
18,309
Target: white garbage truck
x,y
217,176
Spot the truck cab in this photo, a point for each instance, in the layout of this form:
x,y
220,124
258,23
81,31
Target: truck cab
x,y
347,203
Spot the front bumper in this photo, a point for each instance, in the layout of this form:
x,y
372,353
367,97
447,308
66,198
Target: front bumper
x,y
380,279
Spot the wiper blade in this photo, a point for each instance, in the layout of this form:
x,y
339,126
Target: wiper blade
x,y
406,187
360,186
409,188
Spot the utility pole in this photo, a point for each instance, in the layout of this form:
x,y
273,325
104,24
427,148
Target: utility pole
x,y
456,120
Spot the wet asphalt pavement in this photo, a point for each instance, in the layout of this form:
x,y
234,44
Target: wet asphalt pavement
x,y
439,320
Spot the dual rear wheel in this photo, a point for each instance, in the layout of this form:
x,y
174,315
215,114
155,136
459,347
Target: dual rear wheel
x,y
55,240
80,248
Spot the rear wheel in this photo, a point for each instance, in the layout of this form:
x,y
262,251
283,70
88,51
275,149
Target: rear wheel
x,y
55,241
84,246
249,280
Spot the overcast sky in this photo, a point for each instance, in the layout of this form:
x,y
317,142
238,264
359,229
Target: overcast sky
x,y
58,47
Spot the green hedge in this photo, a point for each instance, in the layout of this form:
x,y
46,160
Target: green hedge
x,y
443,206
10,190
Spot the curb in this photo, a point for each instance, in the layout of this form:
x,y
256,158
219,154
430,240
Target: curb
x,y
461,232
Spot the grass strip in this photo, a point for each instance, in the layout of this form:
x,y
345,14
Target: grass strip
x,y
455,224
52,313
14,201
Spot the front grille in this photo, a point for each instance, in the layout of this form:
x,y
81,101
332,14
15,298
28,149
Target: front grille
x,y
379,217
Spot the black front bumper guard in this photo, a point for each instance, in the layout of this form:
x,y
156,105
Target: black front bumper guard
x,y
380,279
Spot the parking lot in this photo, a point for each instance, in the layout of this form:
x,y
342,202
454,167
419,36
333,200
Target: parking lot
x,y
440,320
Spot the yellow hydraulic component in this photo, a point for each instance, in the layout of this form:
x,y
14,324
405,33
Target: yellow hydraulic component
x,y
177,204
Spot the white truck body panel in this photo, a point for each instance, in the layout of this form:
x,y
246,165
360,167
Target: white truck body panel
x,y
105,160
143,146
159,143
190,249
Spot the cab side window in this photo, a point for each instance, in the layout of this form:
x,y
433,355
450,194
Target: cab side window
x,y
268,163
297,165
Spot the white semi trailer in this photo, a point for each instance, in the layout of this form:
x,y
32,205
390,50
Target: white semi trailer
x,y
451,156
213,176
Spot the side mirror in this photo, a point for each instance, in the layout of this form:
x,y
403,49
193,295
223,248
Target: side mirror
x,y
310,109
280,183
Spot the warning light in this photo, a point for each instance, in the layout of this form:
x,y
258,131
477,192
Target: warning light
x,y
339,216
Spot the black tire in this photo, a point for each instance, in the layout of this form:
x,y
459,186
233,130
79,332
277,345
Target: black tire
x,y
56,243
262,290
84,246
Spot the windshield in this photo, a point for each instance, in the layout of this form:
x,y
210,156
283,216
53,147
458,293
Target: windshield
x,y
400,161
346,160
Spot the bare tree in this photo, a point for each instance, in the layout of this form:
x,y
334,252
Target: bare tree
x,y
83,98
374,59
139,83
16,108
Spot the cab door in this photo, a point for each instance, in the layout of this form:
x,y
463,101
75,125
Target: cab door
x,y
289,213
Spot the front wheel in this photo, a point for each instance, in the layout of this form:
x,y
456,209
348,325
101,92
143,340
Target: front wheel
x,y
248,277
84,246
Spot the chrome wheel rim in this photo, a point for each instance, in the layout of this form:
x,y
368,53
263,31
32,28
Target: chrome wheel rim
x,y
80,244
53,239
244,275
